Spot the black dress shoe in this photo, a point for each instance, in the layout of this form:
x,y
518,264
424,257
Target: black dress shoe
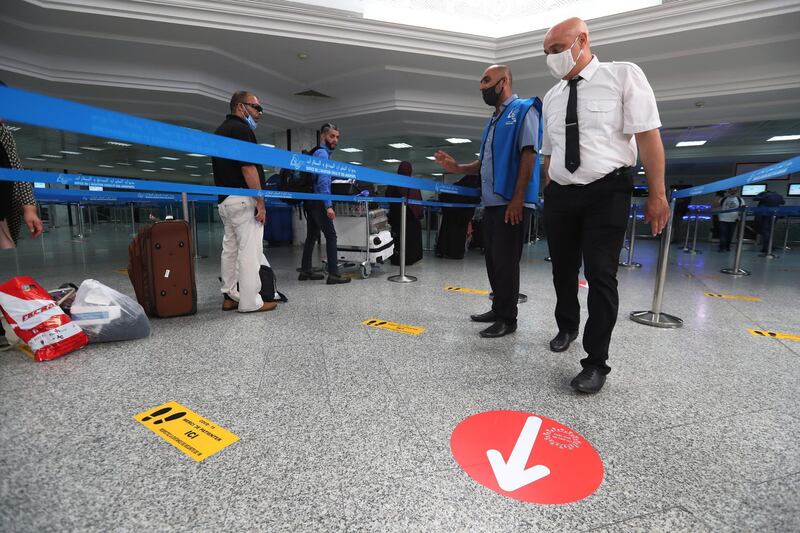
x,y
562,341
590,381
488,316
500,328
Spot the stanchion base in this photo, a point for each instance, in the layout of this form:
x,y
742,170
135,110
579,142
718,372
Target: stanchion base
x,y
693,252
630,265
548,259
768,256
658,320
402,279
734,272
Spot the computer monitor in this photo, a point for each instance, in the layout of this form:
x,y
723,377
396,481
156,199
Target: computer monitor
x,y
794,189
753,190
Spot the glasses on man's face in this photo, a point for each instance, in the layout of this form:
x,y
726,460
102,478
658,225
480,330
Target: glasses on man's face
x,y
254,106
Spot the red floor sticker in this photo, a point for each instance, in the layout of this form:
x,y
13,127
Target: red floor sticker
x,y
527,457
583,284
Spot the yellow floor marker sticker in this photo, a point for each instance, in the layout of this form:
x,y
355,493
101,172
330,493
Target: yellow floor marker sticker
x,y
733,297
451,288
774,334
192,434
393,326
121,270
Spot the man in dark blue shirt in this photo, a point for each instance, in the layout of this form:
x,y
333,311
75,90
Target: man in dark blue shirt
x,y
320,215
764,222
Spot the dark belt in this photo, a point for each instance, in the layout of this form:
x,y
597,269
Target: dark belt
x,y
620,172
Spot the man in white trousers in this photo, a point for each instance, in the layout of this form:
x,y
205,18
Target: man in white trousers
x,y
242,216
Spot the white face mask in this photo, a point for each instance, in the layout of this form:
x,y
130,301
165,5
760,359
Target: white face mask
x,y
561,63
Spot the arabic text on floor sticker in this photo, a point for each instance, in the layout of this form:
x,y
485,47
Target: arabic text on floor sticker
x,y
527,457
451,288
733,297
393,326
197,437
774,334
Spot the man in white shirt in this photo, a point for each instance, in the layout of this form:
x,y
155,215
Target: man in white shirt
x,y
727,221
595,117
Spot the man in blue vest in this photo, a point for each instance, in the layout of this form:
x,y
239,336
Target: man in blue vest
x,y
506,165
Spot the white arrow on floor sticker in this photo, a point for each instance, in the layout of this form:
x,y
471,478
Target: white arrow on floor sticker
x,y
513,475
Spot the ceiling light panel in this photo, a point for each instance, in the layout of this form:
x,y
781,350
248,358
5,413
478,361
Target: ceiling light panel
x,y
684,144
400,145
457,140
784,138
350,150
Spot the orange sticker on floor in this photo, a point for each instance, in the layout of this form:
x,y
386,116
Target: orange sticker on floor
x,y
774,334
121,270
465,290
393,326
197,437
733,297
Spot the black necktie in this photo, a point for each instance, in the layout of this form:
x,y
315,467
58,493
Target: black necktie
x,y
572,155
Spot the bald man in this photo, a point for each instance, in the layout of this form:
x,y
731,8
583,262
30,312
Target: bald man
x,y
507,161
595,117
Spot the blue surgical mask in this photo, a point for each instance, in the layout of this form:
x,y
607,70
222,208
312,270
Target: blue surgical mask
x,y
250,121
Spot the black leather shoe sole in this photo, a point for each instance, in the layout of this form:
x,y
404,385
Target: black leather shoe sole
x,y
560,345
499,329
488,316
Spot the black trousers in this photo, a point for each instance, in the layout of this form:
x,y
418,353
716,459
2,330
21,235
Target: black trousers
x,y
317,220
502,250
726,235
588,223
764,225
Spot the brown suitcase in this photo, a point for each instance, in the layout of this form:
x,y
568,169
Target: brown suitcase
x,y
161,269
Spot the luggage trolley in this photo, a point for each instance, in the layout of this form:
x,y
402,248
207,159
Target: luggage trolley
x,y
364,239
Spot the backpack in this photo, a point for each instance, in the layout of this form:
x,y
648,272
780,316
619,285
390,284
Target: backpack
x,y
269,286
290,180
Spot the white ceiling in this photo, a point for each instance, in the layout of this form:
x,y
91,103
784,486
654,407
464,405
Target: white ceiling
x,y
179,61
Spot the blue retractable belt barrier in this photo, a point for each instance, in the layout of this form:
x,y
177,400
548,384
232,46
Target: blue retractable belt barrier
x,y
82,196
762,174
48,112
196,192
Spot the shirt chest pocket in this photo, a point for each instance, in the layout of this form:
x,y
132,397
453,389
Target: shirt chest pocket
x,y
600,113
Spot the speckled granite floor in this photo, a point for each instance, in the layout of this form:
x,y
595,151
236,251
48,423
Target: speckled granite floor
x,y
345,427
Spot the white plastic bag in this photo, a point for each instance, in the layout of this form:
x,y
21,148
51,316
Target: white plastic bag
x,y
107,315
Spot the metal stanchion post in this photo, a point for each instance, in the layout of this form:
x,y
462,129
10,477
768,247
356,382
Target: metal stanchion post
x,y
630,263
195,244
786,235
626,241
655,317
535,226
133,221
402,278
686,240
185,205
769,254
694,249
80,234
428,227
735,270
